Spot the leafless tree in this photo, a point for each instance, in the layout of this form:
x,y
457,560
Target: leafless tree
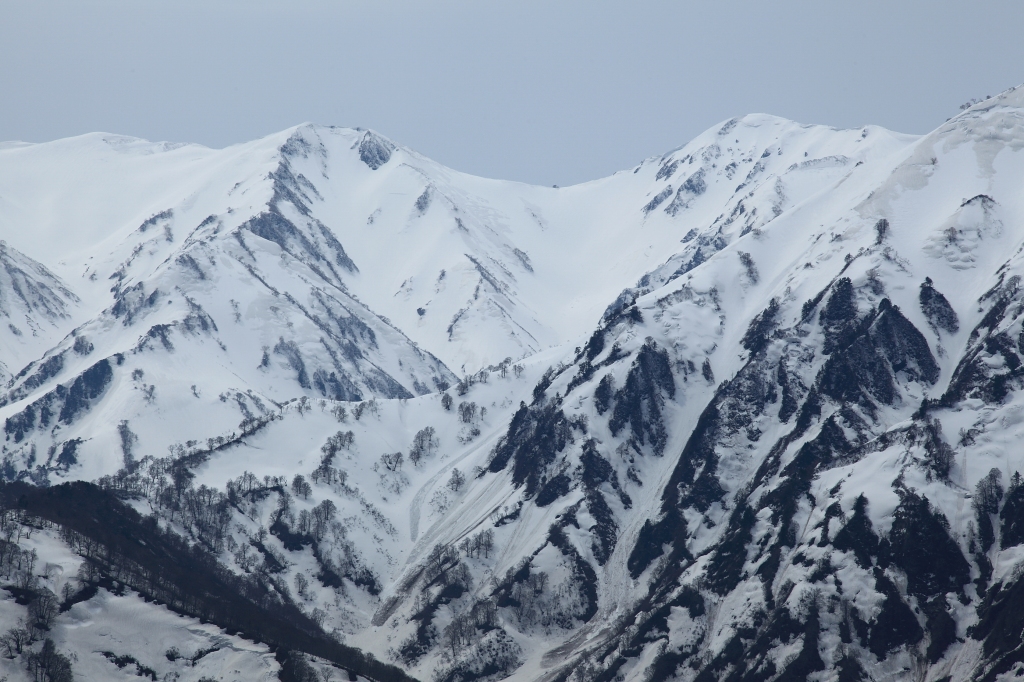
x,y
457,480
392,461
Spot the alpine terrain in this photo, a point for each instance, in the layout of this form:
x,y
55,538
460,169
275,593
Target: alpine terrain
x,y
316,407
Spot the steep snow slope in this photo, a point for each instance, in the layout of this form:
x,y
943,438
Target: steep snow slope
x,y
399,221
785,452
843,366
36,306
331,263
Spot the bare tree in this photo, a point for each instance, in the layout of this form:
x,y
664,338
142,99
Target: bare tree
x,y
424,443
300,488
320,519
467,412
485,543
43,610
15,641
480,544
392,461
302,585
457,480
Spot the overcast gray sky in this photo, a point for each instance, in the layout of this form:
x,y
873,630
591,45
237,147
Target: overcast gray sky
x,y
540,91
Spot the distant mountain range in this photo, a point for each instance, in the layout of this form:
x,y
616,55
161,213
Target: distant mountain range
x,y
316,405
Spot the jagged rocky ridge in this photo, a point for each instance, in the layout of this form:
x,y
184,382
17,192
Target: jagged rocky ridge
x,y
785,450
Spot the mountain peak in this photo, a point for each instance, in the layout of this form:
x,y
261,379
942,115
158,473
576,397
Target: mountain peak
x,y
747,412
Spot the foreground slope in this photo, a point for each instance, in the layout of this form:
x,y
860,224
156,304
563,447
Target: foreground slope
x,y
765,429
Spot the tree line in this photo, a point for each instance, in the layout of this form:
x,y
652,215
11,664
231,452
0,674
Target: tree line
x,y
121,547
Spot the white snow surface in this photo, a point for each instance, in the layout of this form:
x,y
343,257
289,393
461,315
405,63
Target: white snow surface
x,y
225,288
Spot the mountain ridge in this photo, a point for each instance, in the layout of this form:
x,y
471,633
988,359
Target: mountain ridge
x,y
763,431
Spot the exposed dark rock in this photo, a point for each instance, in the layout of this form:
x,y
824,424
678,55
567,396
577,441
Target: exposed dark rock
x,y
374,150
695,184
129,303
44,371
666,170
978,376
88,386
274,227
656,201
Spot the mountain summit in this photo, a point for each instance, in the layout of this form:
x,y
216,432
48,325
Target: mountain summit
x,y
315,403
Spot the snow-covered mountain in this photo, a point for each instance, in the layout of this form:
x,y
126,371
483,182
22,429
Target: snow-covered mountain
x,y
747,411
